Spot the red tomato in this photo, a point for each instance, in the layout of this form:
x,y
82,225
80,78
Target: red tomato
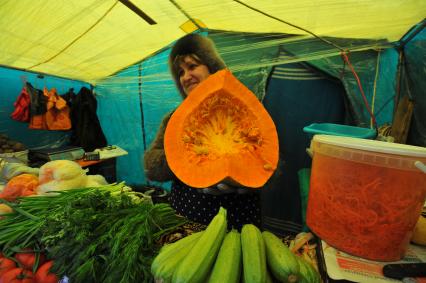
x,y
43,274
17,275
28,259
6,265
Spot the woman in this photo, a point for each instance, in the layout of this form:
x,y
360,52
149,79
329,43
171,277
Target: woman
x,y
193,59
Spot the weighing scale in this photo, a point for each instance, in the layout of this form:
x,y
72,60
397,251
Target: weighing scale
x,y
41,156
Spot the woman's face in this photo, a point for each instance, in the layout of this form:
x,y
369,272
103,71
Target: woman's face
x,y
191,73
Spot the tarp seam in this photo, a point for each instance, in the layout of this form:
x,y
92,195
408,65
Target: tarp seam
x,y
185,13
77,38
290,24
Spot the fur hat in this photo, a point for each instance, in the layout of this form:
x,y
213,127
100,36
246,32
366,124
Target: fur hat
x,y
202,47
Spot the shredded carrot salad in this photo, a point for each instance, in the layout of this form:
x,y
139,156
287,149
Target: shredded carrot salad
x,y
364,210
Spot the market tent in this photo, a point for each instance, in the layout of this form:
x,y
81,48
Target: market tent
x,y
89,40
99,41
121,49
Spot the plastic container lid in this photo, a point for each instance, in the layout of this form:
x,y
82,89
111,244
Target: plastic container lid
x,y
372,145
340,130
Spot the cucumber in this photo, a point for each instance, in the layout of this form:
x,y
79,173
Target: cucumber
x,y
227,267
254,260
196,266
281,261
171,255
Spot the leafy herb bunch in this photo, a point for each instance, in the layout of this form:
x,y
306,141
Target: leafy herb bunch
x,y
104,234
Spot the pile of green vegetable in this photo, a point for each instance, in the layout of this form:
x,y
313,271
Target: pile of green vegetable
x,y
218,256
103,234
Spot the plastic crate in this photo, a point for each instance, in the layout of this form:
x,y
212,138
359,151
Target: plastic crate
x,y
339,130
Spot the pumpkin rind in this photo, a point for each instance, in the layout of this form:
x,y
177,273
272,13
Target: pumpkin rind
x,y
221,131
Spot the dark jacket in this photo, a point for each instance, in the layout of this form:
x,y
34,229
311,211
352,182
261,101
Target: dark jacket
x,y
86,130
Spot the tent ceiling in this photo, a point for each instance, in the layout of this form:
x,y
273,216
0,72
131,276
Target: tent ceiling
x,y
91,39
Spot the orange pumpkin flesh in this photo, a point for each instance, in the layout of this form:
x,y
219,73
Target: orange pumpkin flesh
x,y
221,132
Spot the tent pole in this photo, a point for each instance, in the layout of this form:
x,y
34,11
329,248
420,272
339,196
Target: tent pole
x,y
141,110
141,104
138,11
398,79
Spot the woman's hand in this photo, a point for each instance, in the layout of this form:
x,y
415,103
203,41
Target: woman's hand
x,y
223,188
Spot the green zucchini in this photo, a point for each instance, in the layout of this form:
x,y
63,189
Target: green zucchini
x,y
227,267
196,266
254,260
281,261
171,255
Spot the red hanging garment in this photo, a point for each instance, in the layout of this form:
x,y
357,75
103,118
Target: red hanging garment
x,y
22,107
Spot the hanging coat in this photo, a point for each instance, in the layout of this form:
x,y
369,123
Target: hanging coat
x,y
86,132
38,108
58,112
38,100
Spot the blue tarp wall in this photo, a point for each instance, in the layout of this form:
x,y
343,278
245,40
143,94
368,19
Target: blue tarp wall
x,y
11,84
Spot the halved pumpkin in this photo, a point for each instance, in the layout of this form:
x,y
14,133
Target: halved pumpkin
x,y
221,132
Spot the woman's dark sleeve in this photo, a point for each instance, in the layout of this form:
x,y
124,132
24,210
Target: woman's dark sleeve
x,y
155,163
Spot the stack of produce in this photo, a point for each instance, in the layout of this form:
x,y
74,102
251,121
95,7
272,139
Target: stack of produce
x,y
26,266
20,186
60,175
102,234
53,176
8,145
12,168
215,255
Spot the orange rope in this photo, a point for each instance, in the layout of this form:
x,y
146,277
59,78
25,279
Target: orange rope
x,y
346,59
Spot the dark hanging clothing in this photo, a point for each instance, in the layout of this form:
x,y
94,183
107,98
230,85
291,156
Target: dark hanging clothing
x,y
38,105
69,97
86,130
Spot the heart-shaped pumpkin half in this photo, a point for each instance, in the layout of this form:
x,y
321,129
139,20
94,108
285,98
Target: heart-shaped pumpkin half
x,y
221,132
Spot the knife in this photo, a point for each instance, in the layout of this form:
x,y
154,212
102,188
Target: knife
x,y
404,270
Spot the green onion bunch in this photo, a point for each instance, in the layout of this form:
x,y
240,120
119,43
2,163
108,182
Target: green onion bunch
x,y
102,234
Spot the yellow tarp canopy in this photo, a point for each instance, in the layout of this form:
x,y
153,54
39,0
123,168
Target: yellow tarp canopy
x,y
91,39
